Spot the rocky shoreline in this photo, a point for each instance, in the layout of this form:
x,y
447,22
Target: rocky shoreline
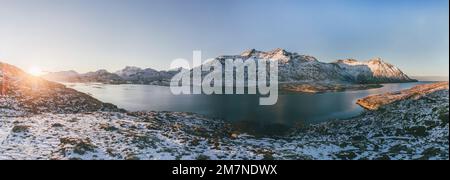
x,y
376,101
312,88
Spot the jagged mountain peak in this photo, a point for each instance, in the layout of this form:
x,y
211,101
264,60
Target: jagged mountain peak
x,y
284,56
254,52
373,61
278,54
377,60
346,61
249,53
307,58
358,62
279,51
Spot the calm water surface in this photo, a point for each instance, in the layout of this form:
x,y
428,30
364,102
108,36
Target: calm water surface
x,y
243,111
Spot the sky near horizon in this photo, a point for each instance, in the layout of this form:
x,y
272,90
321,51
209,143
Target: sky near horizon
x,y
87,35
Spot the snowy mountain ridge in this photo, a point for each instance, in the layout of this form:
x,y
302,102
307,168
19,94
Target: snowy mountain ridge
x,y
293,67
297,68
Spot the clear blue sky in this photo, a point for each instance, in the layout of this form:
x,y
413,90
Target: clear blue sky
x,y
86,35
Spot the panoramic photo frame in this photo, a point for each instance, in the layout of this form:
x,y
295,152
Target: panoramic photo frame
x,y
192,85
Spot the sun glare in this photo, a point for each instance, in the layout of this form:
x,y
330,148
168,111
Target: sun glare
x,y
35,71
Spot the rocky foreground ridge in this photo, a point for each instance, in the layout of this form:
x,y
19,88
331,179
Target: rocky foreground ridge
x,y
22,92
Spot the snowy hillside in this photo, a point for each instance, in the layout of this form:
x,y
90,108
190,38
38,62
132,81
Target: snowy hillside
x,y
23,92
372,71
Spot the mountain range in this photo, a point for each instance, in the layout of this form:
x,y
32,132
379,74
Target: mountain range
x,y
293,68
128,75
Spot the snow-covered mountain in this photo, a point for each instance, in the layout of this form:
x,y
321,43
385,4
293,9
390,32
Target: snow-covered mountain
x,y
128,75
128,71
137,75
293,68
100,76
372,71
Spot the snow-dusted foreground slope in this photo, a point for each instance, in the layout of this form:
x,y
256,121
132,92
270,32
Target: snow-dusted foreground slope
x,y
410,129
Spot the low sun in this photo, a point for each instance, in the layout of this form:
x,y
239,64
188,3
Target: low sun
x,y
35,71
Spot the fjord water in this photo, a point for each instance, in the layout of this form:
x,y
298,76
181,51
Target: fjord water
x,y
243,111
